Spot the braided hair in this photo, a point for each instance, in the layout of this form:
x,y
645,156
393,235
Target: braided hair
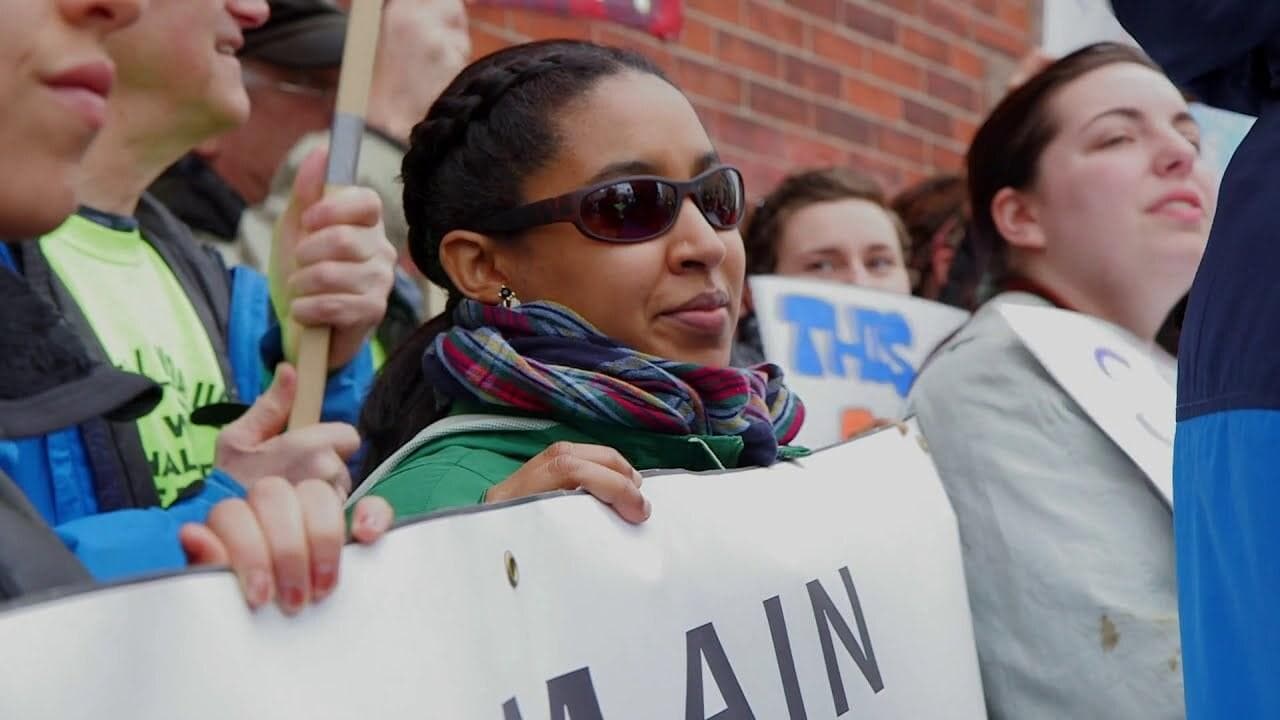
x,y
492,127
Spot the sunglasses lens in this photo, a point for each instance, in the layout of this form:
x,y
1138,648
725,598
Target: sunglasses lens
x,y
630,211
722,198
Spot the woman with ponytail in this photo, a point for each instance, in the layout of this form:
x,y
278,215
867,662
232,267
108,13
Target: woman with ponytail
x,y
1088,194
569,199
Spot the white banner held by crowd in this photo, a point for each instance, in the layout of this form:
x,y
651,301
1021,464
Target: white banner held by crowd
x,y
850,353
829,587
1112,376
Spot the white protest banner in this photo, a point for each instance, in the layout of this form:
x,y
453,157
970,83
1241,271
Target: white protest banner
x,y
828,587
1071,24
850,353
1114,379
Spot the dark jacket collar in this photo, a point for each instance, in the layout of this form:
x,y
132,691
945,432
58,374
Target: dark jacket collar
x,y
200,198
48,380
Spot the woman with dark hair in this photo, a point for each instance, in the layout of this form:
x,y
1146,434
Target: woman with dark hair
x,y
1088,194
830,224
579,180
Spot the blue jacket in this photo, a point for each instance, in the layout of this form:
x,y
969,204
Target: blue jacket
x,y
56,474
1226,493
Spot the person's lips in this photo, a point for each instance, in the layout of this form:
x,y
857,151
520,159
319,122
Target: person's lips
x,y
229,44
84,88
1182,205
706,313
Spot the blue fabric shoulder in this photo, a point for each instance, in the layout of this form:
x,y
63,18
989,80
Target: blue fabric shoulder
x,y
1214,48
255,349
124,543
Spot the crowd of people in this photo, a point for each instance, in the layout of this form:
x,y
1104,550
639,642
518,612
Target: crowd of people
x,y
539,283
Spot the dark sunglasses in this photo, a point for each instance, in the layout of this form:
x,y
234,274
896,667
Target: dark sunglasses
x,y
631,209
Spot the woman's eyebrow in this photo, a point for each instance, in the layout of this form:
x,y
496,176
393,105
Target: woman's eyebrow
x,y
1186,118
1129,113
640,167
623,169
706,161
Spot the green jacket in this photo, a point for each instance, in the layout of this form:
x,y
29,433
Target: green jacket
x,y
456,460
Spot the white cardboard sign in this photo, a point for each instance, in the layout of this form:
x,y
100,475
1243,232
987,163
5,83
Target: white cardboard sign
x,y
828,587
850,353
1071,24
1114,379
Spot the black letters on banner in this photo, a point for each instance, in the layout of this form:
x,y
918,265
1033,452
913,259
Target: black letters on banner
x,y
701,642
571,695
786,662
828,617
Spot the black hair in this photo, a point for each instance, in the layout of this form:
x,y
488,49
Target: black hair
x,y
492,127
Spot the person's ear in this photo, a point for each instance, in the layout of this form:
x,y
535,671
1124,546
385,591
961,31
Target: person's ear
x,y
1018,219
470,259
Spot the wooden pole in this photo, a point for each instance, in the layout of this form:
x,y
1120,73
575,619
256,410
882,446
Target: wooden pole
x,y
358,55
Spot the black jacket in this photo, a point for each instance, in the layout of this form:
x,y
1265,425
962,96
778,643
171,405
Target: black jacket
x,y
48,381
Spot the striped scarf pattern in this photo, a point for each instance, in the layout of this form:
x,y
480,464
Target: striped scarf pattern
x,y
544,359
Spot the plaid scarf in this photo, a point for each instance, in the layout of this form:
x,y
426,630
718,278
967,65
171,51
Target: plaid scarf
x,y
543,358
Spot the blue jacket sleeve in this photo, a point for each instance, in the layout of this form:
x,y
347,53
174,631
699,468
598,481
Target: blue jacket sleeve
x,y
255,348
1216,48
123,543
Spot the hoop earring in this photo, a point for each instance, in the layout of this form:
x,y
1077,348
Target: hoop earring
x,y
508,297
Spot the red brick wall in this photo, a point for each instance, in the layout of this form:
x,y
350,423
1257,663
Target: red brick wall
x,y
893,87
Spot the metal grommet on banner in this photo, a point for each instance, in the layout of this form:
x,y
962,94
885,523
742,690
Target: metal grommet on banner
x,y
513,570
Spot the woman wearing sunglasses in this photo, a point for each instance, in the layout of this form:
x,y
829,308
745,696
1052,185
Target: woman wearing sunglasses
x,y
577,179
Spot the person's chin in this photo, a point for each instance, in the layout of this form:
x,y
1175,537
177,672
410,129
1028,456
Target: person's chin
x,y
38,207
236,111
1176,260
229,105
700,353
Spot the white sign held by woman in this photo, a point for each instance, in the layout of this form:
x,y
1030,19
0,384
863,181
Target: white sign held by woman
x,y
1112,376
828,587
850,353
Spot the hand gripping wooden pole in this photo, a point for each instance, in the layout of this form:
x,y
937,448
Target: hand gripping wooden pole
x,y
356,76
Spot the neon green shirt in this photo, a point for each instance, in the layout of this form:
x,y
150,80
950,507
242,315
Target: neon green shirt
x,y
147,325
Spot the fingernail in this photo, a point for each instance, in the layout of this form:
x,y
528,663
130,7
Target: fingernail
x,y
293,597
648,509
639,478
326,575
259,588
370,521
